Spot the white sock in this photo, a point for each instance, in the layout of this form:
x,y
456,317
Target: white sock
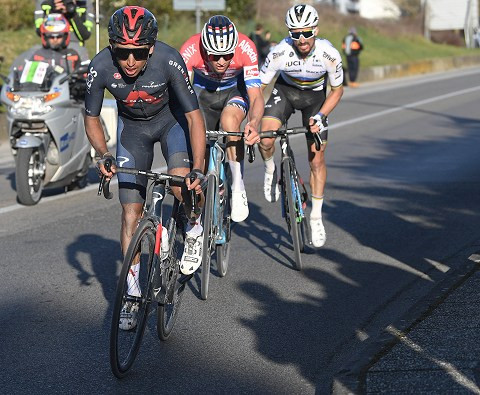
x,y
237,175
317,203
196,228
269,165
132,281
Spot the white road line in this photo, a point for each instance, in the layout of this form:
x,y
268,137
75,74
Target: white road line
x,y
49,199
336,126
404,107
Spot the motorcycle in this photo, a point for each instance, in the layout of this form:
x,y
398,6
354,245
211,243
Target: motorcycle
x,y
45,117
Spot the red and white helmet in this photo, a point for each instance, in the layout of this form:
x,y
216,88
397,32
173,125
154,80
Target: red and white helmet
x,y
55,25
219,36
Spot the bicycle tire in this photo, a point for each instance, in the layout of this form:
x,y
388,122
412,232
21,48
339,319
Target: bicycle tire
x,y
298,203
207,237
291,215
167,312
124,344
223,250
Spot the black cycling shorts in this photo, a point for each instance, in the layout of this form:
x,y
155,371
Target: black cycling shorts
x,y
135,141
286,98
212,104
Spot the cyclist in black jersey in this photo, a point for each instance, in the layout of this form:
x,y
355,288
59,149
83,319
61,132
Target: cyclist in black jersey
x,y
145,76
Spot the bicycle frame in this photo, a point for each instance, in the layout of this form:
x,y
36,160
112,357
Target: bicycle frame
x,y
287,155
216,167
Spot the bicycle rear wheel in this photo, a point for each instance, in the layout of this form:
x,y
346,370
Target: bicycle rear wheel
x,y
207,236
223,250
292,213
167,311
124,344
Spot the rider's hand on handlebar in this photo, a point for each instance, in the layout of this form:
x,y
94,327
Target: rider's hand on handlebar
x,y
107,161
319,124
194,180
250,134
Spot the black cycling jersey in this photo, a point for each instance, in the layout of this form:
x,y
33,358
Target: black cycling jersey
x,y
145,96
285,99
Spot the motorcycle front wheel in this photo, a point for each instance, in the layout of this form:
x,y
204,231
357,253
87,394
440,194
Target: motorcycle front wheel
x,y
29,174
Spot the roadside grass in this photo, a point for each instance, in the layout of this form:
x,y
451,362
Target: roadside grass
x,y
385,42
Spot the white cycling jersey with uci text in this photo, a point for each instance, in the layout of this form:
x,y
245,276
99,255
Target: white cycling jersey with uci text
x,y
304,73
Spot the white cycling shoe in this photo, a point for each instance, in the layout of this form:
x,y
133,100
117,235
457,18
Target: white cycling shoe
x,y
192,254
270,187
239,206
128,316
319,237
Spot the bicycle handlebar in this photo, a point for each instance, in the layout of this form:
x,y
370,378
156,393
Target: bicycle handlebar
x,y
104,185
286,131
216,134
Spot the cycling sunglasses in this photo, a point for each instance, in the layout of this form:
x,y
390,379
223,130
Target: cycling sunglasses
x,y
216,58
138,53
305,34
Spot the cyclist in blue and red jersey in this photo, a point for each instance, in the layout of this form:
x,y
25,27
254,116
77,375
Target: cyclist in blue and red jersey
x,y
145,76
223,66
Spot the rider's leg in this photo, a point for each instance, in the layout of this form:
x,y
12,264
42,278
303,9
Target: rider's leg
x,y
175,150
318,179
232,117
267,150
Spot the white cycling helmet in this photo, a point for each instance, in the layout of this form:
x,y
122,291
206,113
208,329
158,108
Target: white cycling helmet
x,y
219,36
301,16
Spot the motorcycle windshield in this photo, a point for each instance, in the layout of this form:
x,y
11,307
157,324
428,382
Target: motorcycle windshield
x,y
34,76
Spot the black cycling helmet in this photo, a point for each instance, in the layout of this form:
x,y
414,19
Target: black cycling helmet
x,y
133,25
219,36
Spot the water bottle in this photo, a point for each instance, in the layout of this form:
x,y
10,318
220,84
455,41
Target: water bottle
x,y
164,247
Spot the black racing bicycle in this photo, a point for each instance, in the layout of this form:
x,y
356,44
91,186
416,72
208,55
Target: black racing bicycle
x,y
158,281
294,195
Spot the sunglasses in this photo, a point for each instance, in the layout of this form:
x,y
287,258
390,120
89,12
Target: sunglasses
x,y
216,58
54,36
306,34
138,53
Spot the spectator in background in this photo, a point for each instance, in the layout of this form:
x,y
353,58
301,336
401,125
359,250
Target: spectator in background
x,y
79,14
352,46
476,37
262,44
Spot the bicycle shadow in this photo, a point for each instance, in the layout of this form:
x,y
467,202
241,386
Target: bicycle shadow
x,y
96,258
269,237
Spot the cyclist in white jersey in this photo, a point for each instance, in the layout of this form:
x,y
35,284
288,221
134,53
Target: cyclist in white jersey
x,y
305,64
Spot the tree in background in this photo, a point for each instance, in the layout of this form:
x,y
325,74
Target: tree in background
x,y
17,14
410,7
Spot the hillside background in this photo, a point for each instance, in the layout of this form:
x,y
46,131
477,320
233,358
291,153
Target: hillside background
x,y
386,42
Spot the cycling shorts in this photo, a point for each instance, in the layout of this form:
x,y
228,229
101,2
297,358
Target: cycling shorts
x,y
135,142
285,99
212,104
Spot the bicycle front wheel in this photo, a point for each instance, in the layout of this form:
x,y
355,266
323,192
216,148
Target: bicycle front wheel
x,y
207,236
223,250
132,301
292,213
167,312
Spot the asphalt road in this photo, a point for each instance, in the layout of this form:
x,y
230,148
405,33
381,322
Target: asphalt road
x,y
401,199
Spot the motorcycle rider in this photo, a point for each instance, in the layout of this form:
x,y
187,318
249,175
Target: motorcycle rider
x,y
79,14
55,35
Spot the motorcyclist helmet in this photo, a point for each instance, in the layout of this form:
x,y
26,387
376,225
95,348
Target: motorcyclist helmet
x,y
301,16
54,26
219,36
133,25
